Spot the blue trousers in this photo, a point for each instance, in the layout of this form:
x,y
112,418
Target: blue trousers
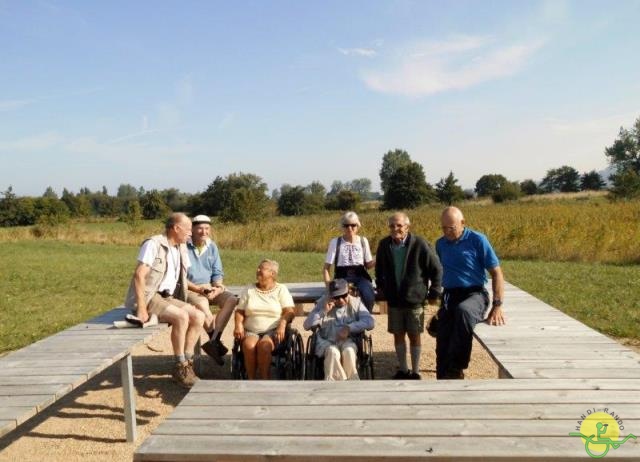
x,y
365,288
461,310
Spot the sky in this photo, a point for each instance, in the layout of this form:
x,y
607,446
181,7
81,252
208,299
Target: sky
x,y
164,94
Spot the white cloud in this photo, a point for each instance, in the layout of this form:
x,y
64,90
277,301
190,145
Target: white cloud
x,y
366,52
434,67
36,142
10,105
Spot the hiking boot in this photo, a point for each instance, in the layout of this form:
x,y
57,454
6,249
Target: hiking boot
x,y
414,376
184,375
400,375
212,348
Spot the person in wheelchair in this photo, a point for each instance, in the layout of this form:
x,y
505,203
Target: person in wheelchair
x,y
261,317
337,316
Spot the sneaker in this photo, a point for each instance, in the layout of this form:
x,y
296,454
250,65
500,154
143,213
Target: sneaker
x,y
414,376
212,349
400,375
184,375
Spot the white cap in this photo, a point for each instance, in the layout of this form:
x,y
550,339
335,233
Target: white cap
x,y
200,219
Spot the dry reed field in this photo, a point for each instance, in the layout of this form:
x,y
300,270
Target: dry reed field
x,y
554,228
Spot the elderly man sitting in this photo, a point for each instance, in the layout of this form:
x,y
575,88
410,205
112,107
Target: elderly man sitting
x,y
338,316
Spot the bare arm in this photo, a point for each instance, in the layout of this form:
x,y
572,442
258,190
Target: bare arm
x,y
496,315
139,278
238,318
326,273
287,316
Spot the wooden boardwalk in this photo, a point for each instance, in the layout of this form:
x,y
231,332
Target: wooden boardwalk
x,y
560,371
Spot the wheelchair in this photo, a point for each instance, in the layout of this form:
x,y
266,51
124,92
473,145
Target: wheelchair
x,y
364,357
287,358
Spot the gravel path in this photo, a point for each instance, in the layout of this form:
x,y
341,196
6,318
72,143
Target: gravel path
x,y
88,424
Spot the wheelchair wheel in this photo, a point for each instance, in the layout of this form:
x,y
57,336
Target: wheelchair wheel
x,y
290,359
314,366
365,357
238,371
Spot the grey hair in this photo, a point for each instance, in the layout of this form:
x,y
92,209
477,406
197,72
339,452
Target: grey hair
x,y
402,215
350,217
275,266
174,219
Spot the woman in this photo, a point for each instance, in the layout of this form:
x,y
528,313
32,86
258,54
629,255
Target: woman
x,y
262,314
351,256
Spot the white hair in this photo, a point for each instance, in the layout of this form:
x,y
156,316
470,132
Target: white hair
x,y
350,217
275,266
404,216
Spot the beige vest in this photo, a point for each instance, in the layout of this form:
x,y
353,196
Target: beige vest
x,y
157,272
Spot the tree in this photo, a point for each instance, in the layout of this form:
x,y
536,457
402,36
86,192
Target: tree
x,y
315,195
78,205
509,191
625,184
50,193
239,197
529,187
291,201
563,179
591,181
127,191
360,186
344,200
153,205
132,213
176,201
448,191
407,187
624,155
391,162
489,184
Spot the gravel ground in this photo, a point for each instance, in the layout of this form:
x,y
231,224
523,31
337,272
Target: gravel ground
x,y
88,424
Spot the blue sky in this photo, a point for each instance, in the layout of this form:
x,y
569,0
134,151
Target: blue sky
x,y
172,94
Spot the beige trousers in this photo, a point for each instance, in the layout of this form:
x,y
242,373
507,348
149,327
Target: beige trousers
x,y
340,361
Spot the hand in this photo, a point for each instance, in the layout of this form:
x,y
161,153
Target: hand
x,y
343,333
496,317
329,305
238,332
213,293
280,331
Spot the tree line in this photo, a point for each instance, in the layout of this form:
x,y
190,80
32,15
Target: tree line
x,y
242,197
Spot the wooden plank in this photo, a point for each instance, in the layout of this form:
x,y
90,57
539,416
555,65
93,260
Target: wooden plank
x,y
355,398
428,412
60,370
37,401
525,372
74,381
6,426
374,427
400,386
24,390
54,363
17,413
250,448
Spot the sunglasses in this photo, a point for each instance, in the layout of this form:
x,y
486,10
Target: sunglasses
x,y
339,297
350,225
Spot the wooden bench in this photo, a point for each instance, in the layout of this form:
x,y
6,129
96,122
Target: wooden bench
x,y
559,371
36,376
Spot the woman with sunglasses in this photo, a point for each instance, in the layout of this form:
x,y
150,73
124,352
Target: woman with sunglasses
x,y
350,255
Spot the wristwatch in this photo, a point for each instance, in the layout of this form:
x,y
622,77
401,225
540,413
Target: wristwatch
x,y
496,302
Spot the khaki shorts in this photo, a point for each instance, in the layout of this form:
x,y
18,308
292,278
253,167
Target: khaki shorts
x,y
409,320
158,305
220,299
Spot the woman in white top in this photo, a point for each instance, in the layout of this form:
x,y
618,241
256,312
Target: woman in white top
x,y
261,317
351,256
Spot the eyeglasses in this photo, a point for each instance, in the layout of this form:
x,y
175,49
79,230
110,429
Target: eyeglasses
x,y
339,297
396,225
350,225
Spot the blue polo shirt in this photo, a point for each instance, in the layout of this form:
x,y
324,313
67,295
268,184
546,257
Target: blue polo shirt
x,y
206,267
465,261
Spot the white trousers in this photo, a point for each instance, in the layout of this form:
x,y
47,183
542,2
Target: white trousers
x,y
340,361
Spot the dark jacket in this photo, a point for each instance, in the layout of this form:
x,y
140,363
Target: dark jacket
x,y
422,277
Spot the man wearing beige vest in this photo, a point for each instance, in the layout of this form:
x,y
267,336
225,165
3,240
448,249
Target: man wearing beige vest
x,y
159,286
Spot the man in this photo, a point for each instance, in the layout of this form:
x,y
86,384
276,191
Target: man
x,y
465,255
408,273
205,280
159,286
338,316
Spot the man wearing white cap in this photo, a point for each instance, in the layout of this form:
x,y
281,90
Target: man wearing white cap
x,y
205,282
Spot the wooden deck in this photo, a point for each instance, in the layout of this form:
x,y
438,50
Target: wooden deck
x,y
36,376
560,370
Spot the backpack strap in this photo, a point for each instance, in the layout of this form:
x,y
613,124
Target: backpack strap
x,y
335,260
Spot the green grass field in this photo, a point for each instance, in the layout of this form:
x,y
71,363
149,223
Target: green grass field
x,y
47,285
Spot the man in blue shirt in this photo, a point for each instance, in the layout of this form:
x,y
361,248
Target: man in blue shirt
x,y
466,255
205,281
